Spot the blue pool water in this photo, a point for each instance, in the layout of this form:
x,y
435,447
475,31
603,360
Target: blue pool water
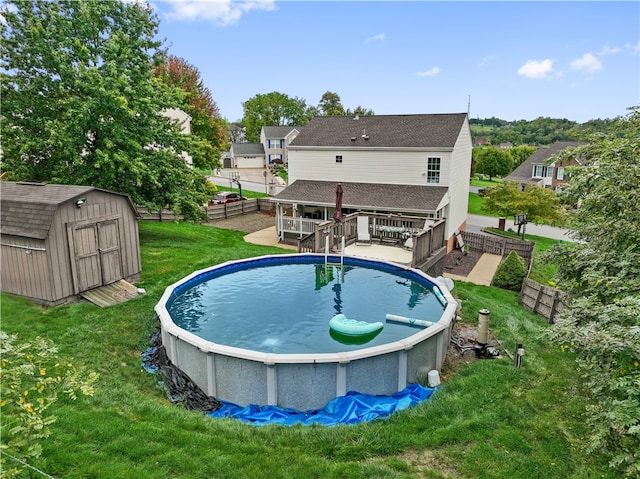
x,y
284,307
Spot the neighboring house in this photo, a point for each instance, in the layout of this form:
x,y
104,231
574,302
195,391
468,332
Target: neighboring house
x,y
276,140
395,164
540,171
183,121
247,155
58,241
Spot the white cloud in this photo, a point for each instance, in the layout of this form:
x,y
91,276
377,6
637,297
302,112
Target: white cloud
x,y
588,62
378,37
609,51
223,12
536,68
430,72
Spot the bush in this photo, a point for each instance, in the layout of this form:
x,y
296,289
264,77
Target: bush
x,y
510,273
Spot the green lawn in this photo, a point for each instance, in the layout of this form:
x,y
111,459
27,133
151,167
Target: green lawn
x,y
489,420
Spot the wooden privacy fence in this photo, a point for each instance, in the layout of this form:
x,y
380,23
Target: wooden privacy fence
x,y
500,245
542,300
214,212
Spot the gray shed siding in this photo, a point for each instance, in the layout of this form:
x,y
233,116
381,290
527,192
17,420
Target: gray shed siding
x,y
43,270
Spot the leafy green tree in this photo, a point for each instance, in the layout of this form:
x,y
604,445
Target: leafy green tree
x,y
274,109
601,273
541,205
32,377
206,122
520,153
359,110
330,104
80,104
492,161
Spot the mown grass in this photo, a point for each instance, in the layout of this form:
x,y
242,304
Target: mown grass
x,y
489,420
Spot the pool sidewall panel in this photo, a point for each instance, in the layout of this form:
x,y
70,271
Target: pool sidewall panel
x,y
303,381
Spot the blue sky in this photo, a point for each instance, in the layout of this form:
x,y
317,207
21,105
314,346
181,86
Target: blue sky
x,y
511,60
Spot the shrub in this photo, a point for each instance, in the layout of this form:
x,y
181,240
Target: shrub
x,y
510,273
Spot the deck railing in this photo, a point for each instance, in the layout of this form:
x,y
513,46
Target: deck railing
x,y
427,238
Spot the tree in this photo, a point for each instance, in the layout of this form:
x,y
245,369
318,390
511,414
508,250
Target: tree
x,y
80,104
273,109
492,161
601,274
32,378
520,153
330,104
360,110
236,133
541,205
206,122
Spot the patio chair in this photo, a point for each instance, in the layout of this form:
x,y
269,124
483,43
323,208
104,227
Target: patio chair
x,y
364,237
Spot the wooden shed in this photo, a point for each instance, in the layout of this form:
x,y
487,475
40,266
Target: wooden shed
x,y
58,241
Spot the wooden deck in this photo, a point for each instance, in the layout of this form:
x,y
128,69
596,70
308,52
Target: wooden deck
x,y
111,294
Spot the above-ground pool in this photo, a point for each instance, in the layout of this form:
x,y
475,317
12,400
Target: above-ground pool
x,y
256,331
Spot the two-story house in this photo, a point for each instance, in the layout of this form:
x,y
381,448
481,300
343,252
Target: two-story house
x,y
415,165
276,140
540,171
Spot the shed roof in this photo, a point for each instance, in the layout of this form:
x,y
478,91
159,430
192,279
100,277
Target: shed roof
x,y
382,131
27,209
373,196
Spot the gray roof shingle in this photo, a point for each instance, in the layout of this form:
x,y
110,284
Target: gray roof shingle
x,y
523,172
279,131
383,131
372,196
244,149
27,209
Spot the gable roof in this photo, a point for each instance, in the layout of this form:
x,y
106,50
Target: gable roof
x,y
383,131
372,196
279,131
244,149
28,208
524,171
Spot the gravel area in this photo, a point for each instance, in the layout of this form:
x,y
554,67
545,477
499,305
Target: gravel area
x,y
459,263
247,223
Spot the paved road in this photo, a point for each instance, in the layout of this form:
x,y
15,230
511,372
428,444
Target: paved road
x,y
475,223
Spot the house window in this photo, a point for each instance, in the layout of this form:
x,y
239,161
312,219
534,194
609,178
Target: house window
x,y
338,158
560,173
433,170
542,171
275,143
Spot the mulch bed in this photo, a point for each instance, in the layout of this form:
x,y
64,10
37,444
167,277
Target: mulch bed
x,y
459,263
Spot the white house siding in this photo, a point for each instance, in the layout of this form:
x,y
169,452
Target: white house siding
x,y
406,167
458,181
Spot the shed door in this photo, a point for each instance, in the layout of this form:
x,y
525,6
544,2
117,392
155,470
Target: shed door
x,y
109,247
84,246
96,255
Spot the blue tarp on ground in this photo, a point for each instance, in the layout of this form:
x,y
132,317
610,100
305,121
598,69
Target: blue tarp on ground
x,y
350,409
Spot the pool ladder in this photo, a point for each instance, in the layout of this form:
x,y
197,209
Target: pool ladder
x,y
326,251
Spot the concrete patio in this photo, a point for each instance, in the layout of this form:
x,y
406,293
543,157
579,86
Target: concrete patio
x,y
482,273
